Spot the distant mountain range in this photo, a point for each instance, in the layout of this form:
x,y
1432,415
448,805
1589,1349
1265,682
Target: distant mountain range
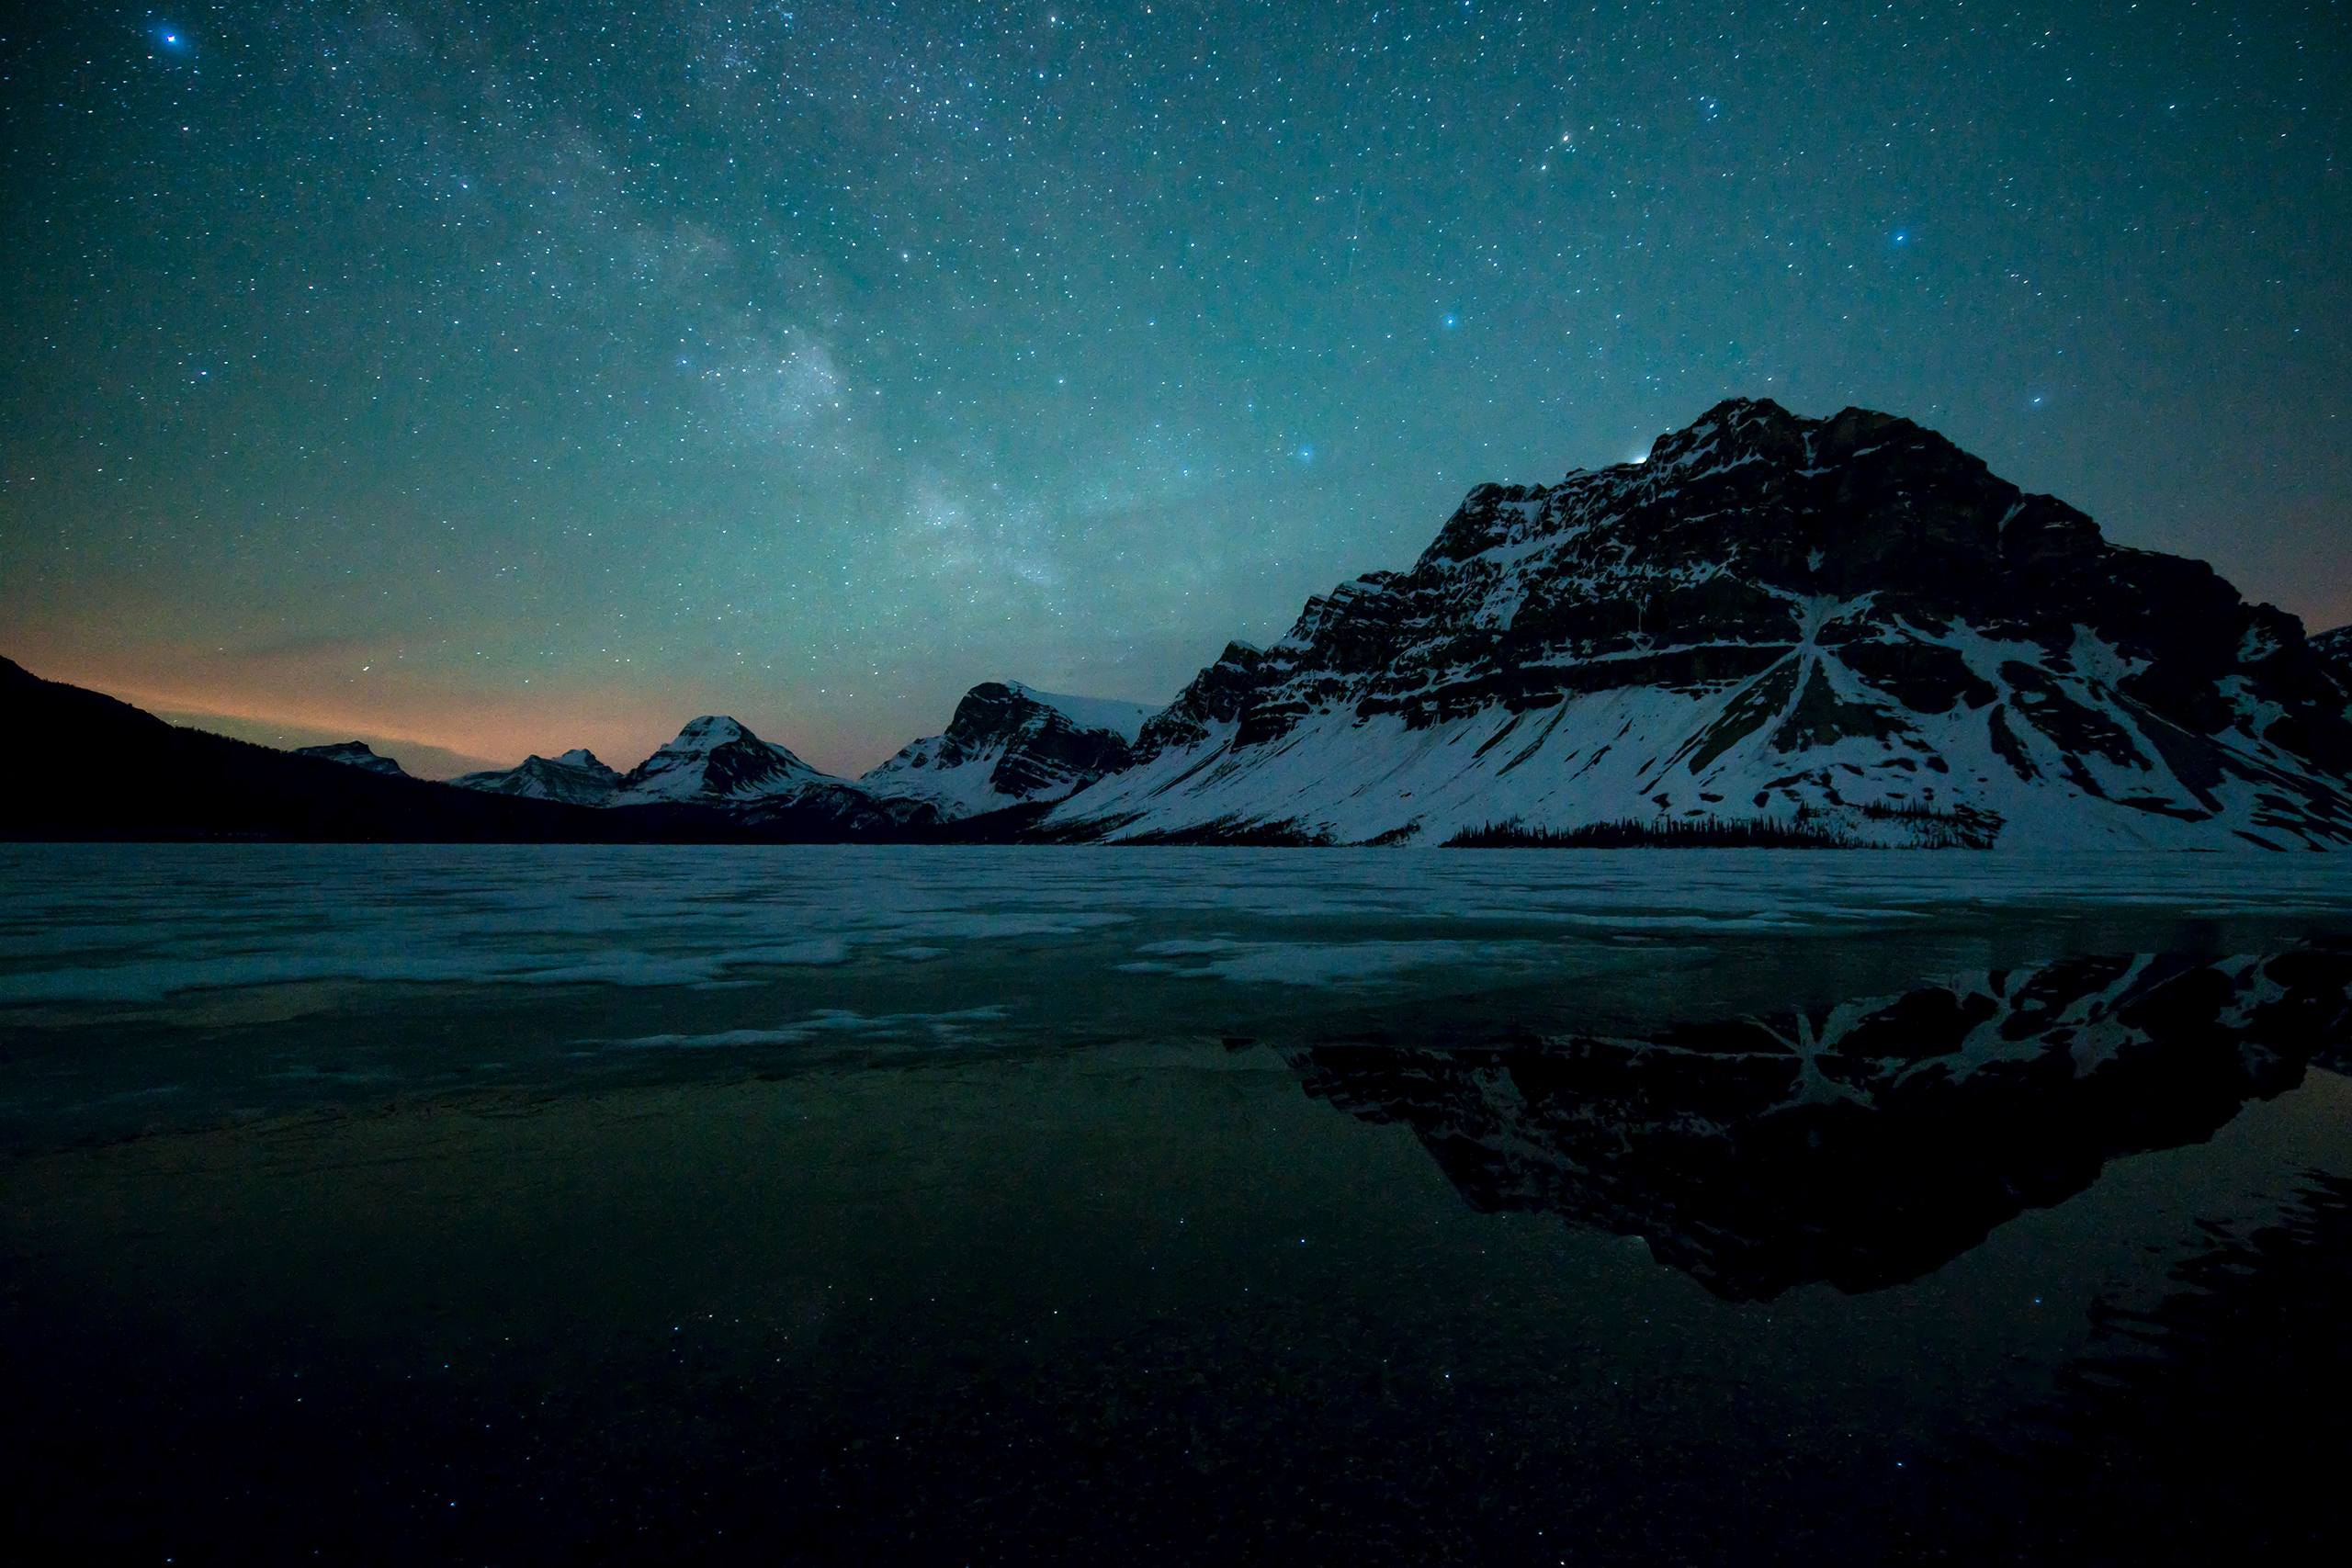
x,y
1772,630
107,770
716,764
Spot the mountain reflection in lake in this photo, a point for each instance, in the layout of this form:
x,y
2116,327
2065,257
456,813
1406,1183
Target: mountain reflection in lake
x,y
1867,1142
820,1206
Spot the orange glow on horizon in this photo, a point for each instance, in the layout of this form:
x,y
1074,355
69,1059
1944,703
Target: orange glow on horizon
x,y
405,707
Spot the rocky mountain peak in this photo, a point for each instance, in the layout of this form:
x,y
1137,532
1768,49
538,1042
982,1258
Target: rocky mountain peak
x,y
2333,653
709,730
1845,619
1733,426
717,759
1121,718
1212,699
355,754
1009,744
576,778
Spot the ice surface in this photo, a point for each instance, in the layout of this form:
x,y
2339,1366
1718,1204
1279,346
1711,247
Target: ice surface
x,y
1323,964
147,984
947,1028
141,923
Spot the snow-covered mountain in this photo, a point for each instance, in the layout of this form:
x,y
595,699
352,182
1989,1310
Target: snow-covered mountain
x,y
717,761
1847,623
577,778
355,754
716,764
1773,629
1863,1144
1010,745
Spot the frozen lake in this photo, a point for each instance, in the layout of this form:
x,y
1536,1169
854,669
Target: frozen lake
x,y
1005,1204
149,985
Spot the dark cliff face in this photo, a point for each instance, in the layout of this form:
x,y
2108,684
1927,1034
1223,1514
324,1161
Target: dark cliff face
x,y
1821,615
2333,651
1005,745
1866,1144
1039,750
1219,694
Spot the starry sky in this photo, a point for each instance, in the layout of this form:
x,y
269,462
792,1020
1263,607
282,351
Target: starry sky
x,y
485,379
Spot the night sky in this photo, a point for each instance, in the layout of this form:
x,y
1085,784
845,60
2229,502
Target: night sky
x,y
484,379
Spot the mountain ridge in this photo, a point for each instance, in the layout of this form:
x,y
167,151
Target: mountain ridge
x,y
578,777
356,754
1845,619
140,778
1773,628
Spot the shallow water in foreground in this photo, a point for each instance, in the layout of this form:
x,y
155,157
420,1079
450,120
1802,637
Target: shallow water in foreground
x,y
529,1204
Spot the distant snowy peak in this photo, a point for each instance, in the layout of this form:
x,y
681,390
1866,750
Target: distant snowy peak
x,y
1847,623
355,754
1122,719
1009,744
576,778
710,731
715,764
715,760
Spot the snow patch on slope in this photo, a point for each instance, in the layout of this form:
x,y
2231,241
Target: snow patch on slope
x,y
1122,719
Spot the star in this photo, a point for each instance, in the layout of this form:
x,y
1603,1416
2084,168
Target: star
x,y
553,353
